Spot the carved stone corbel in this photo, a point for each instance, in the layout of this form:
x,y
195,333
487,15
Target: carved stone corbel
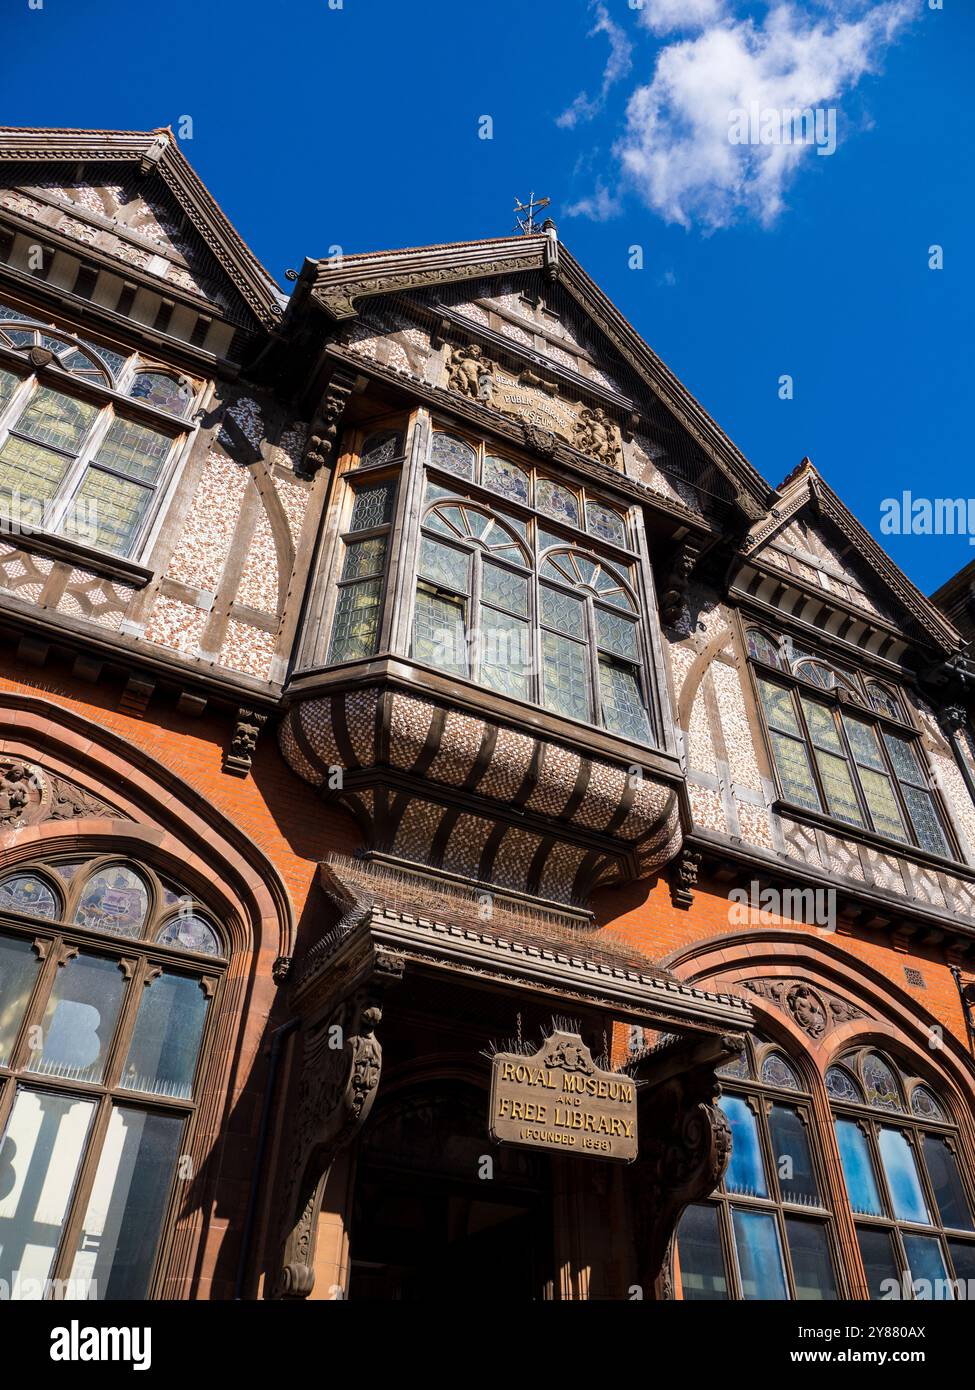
x,y
685,1143
324,430
237,759
683,877
340,1070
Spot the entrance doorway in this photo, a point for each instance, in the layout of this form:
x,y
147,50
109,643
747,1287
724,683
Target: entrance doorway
x,y
429,1223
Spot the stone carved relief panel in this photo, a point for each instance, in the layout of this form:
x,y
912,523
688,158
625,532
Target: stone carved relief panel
x,y
816,1011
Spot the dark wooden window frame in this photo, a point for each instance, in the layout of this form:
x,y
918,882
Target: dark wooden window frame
x,y
141,960
112,404
760,1096
870,1119
841,702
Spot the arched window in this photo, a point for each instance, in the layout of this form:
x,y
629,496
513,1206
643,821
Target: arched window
x,y
767,1232
108,975
762,648
904,1179
163,390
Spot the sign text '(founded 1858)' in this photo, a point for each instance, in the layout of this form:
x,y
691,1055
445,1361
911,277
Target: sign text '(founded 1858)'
x,y
559,1099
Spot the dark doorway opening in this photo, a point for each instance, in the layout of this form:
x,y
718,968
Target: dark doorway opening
x,y
429,1223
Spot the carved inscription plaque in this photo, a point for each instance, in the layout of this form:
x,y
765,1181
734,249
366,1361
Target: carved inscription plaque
x,y
559,1099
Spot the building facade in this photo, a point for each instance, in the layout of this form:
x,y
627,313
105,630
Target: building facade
x,y
408,670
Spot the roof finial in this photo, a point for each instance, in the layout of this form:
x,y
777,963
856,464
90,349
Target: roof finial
x,y
526,224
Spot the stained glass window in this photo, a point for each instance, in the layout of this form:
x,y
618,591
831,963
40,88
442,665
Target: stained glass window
x,y
452,455
8,385
622,701
841,1086
883,700
440,631
355,628
557,501
604,522
776,1071
114,900
767,1231
762,648
30,894
924,1104
162,390
865,775
50,481
881,1087
506,479
373,505
191,932
90,363
380,448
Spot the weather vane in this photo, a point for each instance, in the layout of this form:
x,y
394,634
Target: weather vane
x,y
527,223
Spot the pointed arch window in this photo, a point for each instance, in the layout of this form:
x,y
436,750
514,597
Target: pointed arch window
x,y
768,1231
907,1186
108,977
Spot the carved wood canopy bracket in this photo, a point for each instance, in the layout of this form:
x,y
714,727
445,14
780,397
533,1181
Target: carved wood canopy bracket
x,y
341,1063
685,1144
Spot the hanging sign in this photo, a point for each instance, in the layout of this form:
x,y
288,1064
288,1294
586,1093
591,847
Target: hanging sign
x,y
559,1099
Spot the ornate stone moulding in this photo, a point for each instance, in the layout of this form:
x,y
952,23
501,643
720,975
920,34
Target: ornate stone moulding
x,y
478,801
30,795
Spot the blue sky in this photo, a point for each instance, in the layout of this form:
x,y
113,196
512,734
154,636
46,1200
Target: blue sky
x,y
359,127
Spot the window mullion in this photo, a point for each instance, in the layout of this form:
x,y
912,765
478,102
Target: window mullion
x,y
810,749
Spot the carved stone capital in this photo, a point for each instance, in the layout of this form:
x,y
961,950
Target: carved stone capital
x,y
953,718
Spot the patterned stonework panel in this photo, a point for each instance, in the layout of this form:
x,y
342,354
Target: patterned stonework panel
x,y
23,574
143,232
648,462
801,843
95,599
700,738
509,766
707,808
390,339
604,793
176,625
557,781
409,729
755,825
466,845
735,728
446,752
360,720
886,870
258,587
459,747
211,521
844,857
247,649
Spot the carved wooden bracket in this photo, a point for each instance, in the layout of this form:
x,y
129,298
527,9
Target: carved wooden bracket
x,y
340,1071
673,599
324,430
685,1144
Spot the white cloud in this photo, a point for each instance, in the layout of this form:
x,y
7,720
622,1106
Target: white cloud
x,y
676,152
618,64
600,206
665,16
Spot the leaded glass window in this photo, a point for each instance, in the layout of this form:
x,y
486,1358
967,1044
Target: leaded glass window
x,y
905,1181
77,469
768,1231
100,1041
506,479
163,390
843,761
364,554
